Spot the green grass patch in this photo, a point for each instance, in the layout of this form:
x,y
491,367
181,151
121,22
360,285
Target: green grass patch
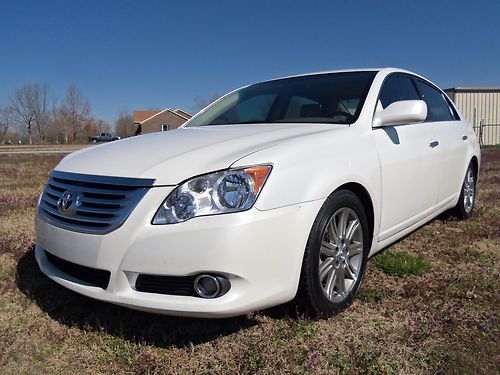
x,y
118,350
303,328
340,362
491,147
254,359
370,295
401,263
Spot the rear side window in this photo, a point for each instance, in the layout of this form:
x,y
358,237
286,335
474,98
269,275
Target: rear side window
x,y
397,88
437,106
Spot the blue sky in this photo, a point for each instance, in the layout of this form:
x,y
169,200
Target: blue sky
x,y
157,54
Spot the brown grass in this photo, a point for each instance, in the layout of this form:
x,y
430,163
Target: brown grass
x,y
48,148
443,321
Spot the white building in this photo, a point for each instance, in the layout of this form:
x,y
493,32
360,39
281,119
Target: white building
x,y
481,106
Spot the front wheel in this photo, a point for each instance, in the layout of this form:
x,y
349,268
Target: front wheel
x,y
335,257
467,199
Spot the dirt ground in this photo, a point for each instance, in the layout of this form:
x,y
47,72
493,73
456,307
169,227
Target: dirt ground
x,y
442,321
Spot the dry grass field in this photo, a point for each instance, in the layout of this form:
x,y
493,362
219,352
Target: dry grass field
x,y
428,304
40,149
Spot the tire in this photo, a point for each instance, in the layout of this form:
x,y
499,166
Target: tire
x,y
467,200
337,254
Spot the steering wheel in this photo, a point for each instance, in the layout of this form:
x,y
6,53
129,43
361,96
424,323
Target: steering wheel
x,y
347,115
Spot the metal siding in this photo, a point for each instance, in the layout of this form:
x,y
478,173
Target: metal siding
x,y
487,107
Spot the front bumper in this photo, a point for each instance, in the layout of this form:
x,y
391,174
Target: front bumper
x,y
260,252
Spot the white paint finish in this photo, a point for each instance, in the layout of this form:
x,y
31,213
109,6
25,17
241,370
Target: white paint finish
x,y
452,154
256,249
173,156
296,167
408,173
400,113
261,249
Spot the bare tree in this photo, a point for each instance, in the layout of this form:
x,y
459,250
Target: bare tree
x,y
99,126
24,105
60,126
6,120
42,111
30,104
124,125
76,111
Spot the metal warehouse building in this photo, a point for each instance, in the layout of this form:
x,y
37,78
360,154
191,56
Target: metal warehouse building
x,y
481,106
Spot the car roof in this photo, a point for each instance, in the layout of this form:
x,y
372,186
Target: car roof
x,y
386,70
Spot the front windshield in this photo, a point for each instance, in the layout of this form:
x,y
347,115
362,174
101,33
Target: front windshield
x,y
335,98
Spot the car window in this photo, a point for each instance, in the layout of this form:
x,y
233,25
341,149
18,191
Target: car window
x,y
349,105
299,104
397,88
254,109
437,107
335,98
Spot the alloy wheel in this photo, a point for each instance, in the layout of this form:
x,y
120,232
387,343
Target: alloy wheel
x,y
341,254
469,191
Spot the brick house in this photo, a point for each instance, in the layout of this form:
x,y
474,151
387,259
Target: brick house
x,y
157,121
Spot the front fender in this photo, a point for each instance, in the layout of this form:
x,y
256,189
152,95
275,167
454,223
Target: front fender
x,y
311,168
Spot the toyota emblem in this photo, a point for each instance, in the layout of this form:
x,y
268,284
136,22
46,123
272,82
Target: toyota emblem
x,y
65,201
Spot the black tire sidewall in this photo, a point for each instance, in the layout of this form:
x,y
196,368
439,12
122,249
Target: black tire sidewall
x,y
318,303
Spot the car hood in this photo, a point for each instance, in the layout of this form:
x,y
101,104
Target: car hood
x,y
176,155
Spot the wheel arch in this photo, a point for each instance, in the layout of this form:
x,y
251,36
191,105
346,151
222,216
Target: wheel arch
x,y
364,196
306,296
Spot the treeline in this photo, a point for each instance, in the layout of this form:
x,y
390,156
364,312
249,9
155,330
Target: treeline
x,y
34,115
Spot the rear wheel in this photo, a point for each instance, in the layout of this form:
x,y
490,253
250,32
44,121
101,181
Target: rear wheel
x,y
335,256
467,200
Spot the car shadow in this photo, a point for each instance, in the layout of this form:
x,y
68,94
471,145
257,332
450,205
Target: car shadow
x,y
75,310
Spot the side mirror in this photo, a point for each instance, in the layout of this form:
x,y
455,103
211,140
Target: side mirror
x,y
400,113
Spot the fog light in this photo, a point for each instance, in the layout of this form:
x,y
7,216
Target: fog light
x,y
208,286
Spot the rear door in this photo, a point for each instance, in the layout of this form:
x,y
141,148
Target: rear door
x,y
407,158
451,135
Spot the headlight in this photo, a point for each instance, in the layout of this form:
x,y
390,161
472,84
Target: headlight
x,y
232,190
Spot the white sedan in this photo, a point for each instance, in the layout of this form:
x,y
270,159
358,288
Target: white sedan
x,y
279,190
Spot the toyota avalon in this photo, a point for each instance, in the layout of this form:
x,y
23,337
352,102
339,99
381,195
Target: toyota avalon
x,y
279,190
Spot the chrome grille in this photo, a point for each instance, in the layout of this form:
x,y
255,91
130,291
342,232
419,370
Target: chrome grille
x,y
88,203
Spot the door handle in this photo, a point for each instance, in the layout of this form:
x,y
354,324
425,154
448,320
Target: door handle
x,y
433,144
464,138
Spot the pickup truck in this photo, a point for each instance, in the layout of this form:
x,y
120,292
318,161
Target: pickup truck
x,y
103,137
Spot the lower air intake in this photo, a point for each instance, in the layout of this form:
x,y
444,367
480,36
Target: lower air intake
x,y
88,275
